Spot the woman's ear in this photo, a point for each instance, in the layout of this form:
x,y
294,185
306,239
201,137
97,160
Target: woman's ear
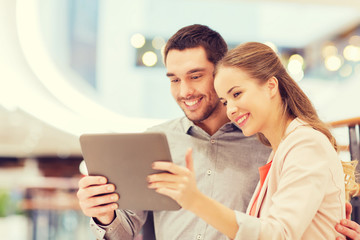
x,y
273,86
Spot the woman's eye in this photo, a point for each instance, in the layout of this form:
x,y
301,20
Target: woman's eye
x,y
224,103
237,94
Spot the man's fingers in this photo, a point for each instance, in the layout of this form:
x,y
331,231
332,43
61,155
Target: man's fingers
x,y
351,224
348,228
100,210
99,200
348,208
340,238
85,193
91,180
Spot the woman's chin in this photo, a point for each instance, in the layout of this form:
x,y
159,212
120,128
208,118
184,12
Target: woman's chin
x,y
247,133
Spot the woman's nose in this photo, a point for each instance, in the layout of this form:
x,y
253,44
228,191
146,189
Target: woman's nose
x,y
231,110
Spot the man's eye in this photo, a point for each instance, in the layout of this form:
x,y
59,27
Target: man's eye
x,y
175,80
195,77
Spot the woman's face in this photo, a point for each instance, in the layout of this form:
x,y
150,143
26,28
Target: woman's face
x,y
248,101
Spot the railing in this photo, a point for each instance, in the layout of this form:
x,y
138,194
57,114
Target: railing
x,y
353,125
354,144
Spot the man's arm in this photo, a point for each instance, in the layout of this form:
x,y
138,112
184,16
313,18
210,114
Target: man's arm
x,y
348,228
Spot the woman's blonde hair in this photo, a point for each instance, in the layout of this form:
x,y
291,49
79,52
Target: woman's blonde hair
x,y
259,61
351,187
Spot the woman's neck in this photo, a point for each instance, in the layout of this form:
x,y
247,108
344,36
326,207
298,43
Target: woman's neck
x,y
276,132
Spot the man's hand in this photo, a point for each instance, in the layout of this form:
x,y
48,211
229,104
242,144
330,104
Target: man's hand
x,y
96,198
348,228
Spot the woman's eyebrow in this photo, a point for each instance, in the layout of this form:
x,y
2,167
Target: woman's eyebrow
x,y
229,91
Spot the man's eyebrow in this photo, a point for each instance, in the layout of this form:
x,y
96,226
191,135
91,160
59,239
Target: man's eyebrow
x,y
195,70
169,74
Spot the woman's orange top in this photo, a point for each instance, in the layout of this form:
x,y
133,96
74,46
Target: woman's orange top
x,y
263,171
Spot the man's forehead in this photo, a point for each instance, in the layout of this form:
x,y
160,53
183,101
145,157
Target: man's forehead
x,y
187,61
185,55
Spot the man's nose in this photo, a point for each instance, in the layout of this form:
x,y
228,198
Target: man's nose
x,y
186,89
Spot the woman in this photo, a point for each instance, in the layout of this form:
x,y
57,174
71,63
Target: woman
x,y
301,193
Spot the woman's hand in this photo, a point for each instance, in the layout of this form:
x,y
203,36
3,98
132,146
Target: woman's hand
x,y
179,183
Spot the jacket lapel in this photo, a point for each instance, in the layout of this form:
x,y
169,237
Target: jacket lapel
x,y
292,126
262,191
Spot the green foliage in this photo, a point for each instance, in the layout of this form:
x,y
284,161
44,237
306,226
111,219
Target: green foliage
x,y
9,203
4,202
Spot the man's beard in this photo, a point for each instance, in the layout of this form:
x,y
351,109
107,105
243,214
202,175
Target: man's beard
x,y
209,110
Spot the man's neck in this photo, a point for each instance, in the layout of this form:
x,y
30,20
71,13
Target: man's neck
x,y
212,124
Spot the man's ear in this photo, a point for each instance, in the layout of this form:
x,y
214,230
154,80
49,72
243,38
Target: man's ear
x,y
273,86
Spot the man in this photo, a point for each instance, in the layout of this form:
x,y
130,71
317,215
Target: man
x,y
347,227
226,162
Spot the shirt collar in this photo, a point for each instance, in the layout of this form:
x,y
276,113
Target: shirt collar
x,y
188,126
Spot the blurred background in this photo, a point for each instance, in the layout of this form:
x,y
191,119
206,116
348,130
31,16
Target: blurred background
x,y
69,67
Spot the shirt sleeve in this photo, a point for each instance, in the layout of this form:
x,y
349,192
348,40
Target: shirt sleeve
x,y
126,225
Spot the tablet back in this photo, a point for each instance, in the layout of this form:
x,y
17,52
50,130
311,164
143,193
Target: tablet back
x,y
125,159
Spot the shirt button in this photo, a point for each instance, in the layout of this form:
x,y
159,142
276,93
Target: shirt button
x,y
213,141
198,236
209,172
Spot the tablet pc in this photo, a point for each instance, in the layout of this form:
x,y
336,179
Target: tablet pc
x,y
125,159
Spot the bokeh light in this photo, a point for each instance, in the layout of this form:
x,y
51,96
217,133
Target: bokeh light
x,y
329,50
352,53
149,58
137,40
333,63
158,42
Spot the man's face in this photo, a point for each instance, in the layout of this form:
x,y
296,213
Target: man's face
x,y
192,82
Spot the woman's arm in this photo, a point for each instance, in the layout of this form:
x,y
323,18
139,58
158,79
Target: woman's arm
x,y
299,183
180,184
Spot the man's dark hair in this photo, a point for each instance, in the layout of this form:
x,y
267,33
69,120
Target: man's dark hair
x,y
198,35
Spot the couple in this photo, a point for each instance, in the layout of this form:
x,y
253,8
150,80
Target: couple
x,y
301,190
